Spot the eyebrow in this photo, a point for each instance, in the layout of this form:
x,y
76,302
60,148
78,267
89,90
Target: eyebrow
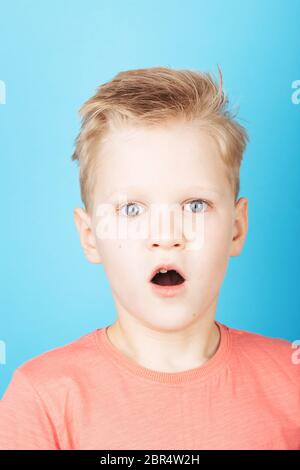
x,y
140,190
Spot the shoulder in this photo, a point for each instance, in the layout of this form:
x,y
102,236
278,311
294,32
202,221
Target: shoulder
x,y
61,364
268,354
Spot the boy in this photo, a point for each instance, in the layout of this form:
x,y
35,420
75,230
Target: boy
x,y
156,143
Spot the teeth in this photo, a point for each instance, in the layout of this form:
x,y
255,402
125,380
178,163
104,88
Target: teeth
x,y
163,271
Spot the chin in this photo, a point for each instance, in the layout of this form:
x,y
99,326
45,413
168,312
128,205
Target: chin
x,y
170,321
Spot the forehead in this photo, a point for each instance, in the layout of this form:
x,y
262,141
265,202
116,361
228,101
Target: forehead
x,y
178,156
146,191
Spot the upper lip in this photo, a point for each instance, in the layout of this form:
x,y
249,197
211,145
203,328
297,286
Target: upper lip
x,y
167,266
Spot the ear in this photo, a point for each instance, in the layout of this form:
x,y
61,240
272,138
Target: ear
x,y
84,227
240,226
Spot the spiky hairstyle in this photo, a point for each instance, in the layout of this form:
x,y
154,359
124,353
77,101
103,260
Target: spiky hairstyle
x,y
152,97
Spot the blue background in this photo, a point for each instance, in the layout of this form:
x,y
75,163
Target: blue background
x,y
53,56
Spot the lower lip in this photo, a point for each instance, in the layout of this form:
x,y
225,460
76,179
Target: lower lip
x,y
168,291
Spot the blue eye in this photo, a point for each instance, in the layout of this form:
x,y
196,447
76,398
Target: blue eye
x,y
132,208
198,205
131,211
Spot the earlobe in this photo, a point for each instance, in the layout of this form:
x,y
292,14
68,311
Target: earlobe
x,y
87,240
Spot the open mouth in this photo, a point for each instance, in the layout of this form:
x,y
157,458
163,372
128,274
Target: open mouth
x,y
166,277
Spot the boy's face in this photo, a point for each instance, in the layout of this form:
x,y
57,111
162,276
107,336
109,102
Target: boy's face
x,y
167,167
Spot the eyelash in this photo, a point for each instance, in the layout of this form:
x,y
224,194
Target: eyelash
x,y
188,202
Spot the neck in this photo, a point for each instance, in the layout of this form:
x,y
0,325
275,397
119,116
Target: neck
x,y
166,351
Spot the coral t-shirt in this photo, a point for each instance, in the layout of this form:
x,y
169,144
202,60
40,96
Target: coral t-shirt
x,y
88,394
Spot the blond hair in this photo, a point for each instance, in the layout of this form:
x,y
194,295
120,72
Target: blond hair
x,y
151,97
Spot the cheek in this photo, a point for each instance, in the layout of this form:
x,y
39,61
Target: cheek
x,y
114,255
120,261
214,253
218,232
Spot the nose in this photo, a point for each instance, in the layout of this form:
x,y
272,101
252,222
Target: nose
x,y
165,244
167,233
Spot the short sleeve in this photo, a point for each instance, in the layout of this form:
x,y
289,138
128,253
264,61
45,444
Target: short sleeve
x,y
25,423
